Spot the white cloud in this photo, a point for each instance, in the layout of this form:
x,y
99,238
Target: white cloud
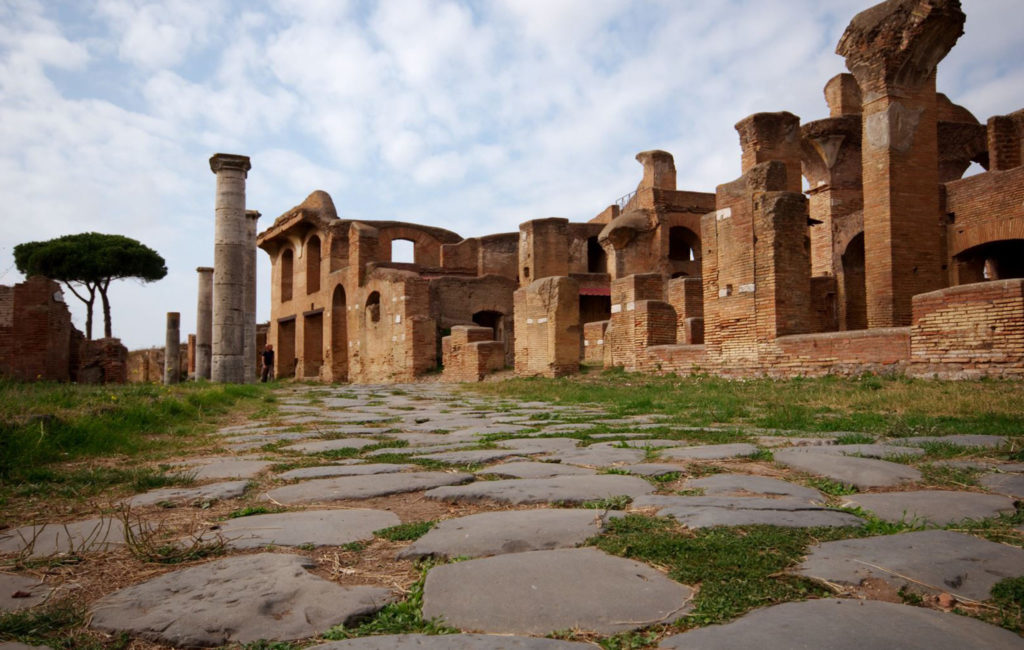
x,y
158,35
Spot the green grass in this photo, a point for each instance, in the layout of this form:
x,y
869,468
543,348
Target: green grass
x,y
737,568
249,511
879,406
57,624
405,532
43,424
402,617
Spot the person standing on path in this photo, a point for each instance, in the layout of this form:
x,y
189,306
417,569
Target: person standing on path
x,y
268,363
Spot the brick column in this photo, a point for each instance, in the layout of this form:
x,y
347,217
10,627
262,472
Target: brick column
x,y
229,250
204,321
172,349
893,50
772,136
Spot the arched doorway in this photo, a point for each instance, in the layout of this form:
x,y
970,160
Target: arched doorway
x,y
994,260
853,302
339,335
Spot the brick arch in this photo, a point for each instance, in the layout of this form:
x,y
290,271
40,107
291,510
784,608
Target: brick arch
x,y
426,247
985,233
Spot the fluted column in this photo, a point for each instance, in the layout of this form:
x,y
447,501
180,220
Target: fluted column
x,y
229,251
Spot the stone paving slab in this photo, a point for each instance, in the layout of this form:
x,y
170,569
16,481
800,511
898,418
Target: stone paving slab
x,y
563,489
938,507
535,469
654,469
412,451
792,441
21,592
706,512
321,471
250,428
1010,484
201,494
14,645
839,624
237,599
710,452
599,456
450,642
470,456
362,487
90,535
957,440
872,450
540,445
539,592
651,443
862,473
510,531
743,484
318,446
316,527
204,469
936,560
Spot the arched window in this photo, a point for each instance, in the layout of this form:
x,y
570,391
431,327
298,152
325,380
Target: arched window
x,y
373,307
683,244
287,274
403,250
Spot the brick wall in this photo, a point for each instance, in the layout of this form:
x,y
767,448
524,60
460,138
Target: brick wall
x,y
470,354
103,361
36,335
686,297
621,336
594,341
969,331
547,328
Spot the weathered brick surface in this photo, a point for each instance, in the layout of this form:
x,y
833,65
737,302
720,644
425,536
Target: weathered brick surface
x,y
969,331
594,341
36,335
470,354
548,328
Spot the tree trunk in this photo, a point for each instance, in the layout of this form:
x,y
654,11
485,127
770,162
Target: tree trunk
x,y
88,306
106,309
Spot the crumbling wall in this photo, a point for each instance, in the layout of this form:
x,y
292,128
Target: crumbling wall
x,y
594,341
36,334
547,326
969,331
471,353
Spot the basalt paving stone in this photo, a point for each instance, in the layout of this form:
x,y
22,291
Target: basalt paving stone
x,y
535,469
485,429
90,535
340,417
318,446
862,473
540,445
1011,467
935,560
938,507
450,642
873,450
957,440
251,428
213,468
563,489
237,599
21,592
705,512
739,484
599,456
510,531
201,494
322,471
539,592
471,456
787,441
265,438
568,427
965,464
650,443
1011,484
316,527
14,645
412,451
362,487
654,469
710,452
839,624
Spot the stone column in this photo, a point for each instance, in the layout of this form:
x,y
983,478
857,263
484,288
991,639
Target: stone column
x,y
893,50
172,349
204,322
227,346
249,344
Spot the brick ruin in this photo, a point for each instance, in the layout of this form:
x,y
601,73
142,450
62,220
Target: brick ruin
x,y
889,261
38,341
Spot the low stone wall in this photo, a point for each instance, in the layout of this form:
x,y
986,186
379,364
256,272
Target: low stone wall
x,y
470,354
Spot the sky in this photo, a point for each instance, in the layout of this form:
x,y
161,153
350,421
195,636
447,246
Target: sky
x,y
474,116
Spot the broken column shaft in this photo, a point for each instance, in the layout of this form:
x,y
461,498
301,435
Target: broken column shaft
x,y
172,349
204,322
229,250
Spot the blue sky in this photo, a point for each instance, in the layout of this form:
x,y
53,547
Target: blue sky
x,y
472,116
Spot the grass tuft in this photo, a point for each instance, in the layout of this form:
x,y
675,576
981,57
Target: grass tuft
x,y
405,532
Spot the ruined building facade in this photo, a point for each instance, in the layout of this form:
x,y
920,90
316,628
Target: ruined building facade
x,y
889,260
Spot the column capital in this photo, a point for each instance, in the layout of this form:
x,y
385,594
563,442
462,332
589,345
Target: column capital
x,y
204,269
222,161
253,214
896,45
